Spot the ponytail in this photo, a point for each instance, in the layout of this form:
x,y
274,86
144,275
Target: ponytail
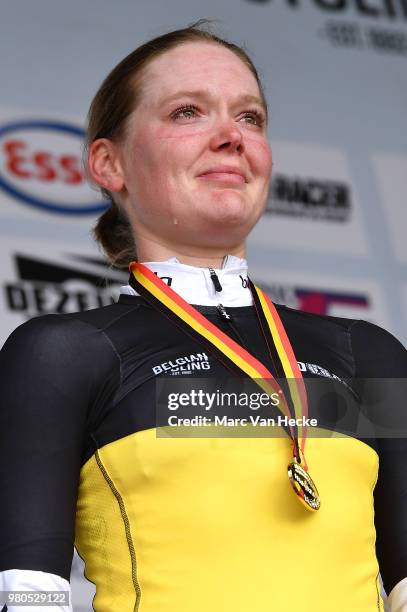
x,y
114,232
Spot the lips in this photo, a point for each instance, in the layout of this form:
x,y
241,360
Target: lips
x,y
226,174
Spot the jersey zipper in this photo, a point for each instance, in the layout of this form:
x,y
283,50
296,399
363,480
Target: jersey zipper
x,y
215,280
225,316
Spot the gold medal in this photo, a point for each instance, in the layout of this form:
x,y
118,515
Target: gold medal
x,y
303,485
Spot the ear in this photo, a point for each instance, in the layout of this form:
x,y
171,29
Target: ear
x,y
104,165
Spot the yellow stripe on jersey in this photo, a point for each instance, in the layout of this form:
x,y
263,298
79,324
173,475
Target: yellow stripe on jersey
x,y
215,528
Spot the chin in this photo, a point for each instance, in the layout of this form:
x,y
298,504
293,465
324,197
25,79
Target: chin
x,y
227,220
227,229
228,208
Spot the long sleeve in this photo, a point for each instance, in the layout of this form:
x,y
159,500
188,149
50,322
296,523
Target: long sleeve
x,y
48,381
381,366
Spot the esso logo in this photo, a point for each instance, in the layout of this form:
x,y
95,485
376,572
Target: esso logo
x,y
41,165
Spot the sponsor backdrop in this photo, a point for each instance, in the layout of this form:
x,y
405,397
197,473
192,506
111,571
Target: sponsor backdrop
x,y
333,237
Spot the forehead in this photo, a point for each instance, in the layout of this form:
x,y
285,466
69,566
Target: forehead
x,y
195,64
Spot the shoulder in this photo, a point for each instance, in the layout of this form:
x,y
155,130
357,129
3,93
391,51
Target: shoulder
x,y
375,351
356,327
313,320
322,332
68,328
42,333
55,341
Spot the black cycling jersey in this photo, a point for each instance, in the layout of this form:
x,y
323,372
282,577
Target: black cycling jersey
x,y
168,524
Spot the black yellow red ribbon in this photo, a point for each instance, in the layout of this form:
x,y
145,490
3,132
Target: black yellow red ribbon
x,y
150,286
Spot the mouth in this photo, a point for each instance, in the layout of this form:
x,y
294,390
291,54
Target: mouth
x,y
223,174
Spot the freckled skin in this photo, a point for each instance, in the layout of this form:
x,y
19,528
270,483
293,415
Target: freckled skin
x,y
164,153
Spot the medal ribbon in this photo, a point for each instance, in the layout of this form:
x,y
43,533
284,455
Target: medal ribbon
x,y
158,293
286,355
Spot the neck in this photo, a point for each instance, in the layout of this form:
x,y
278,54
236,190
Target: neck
x,y
149,249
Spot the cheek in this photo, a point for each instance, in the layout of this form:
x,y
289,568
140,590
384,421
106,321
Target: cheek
x,y
148,164
156,170
260,154
168,150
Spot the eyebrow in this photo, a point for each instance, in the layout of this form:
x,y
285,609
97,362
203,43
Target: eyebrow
x,y
205,95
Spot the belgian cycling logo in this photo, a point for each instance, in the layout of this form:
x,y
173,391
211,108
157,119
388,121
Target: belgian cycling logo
x,y
187,364
40,166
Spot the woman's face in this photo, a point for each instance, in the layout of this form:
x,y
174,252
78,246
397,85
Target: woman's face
x,y
196,160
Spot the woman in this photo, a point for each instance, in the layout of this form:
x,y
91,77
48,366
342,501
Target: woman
x,y
177,138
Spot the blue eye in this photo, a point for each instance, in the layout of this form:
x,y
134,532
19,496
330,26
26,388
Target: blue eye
x,y
186,112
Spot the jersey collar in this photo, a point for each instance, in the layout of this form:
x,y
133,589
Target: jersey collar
x,y
197,285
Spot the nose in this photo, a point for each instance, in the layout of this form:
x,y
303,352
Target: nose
x,y
227,137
